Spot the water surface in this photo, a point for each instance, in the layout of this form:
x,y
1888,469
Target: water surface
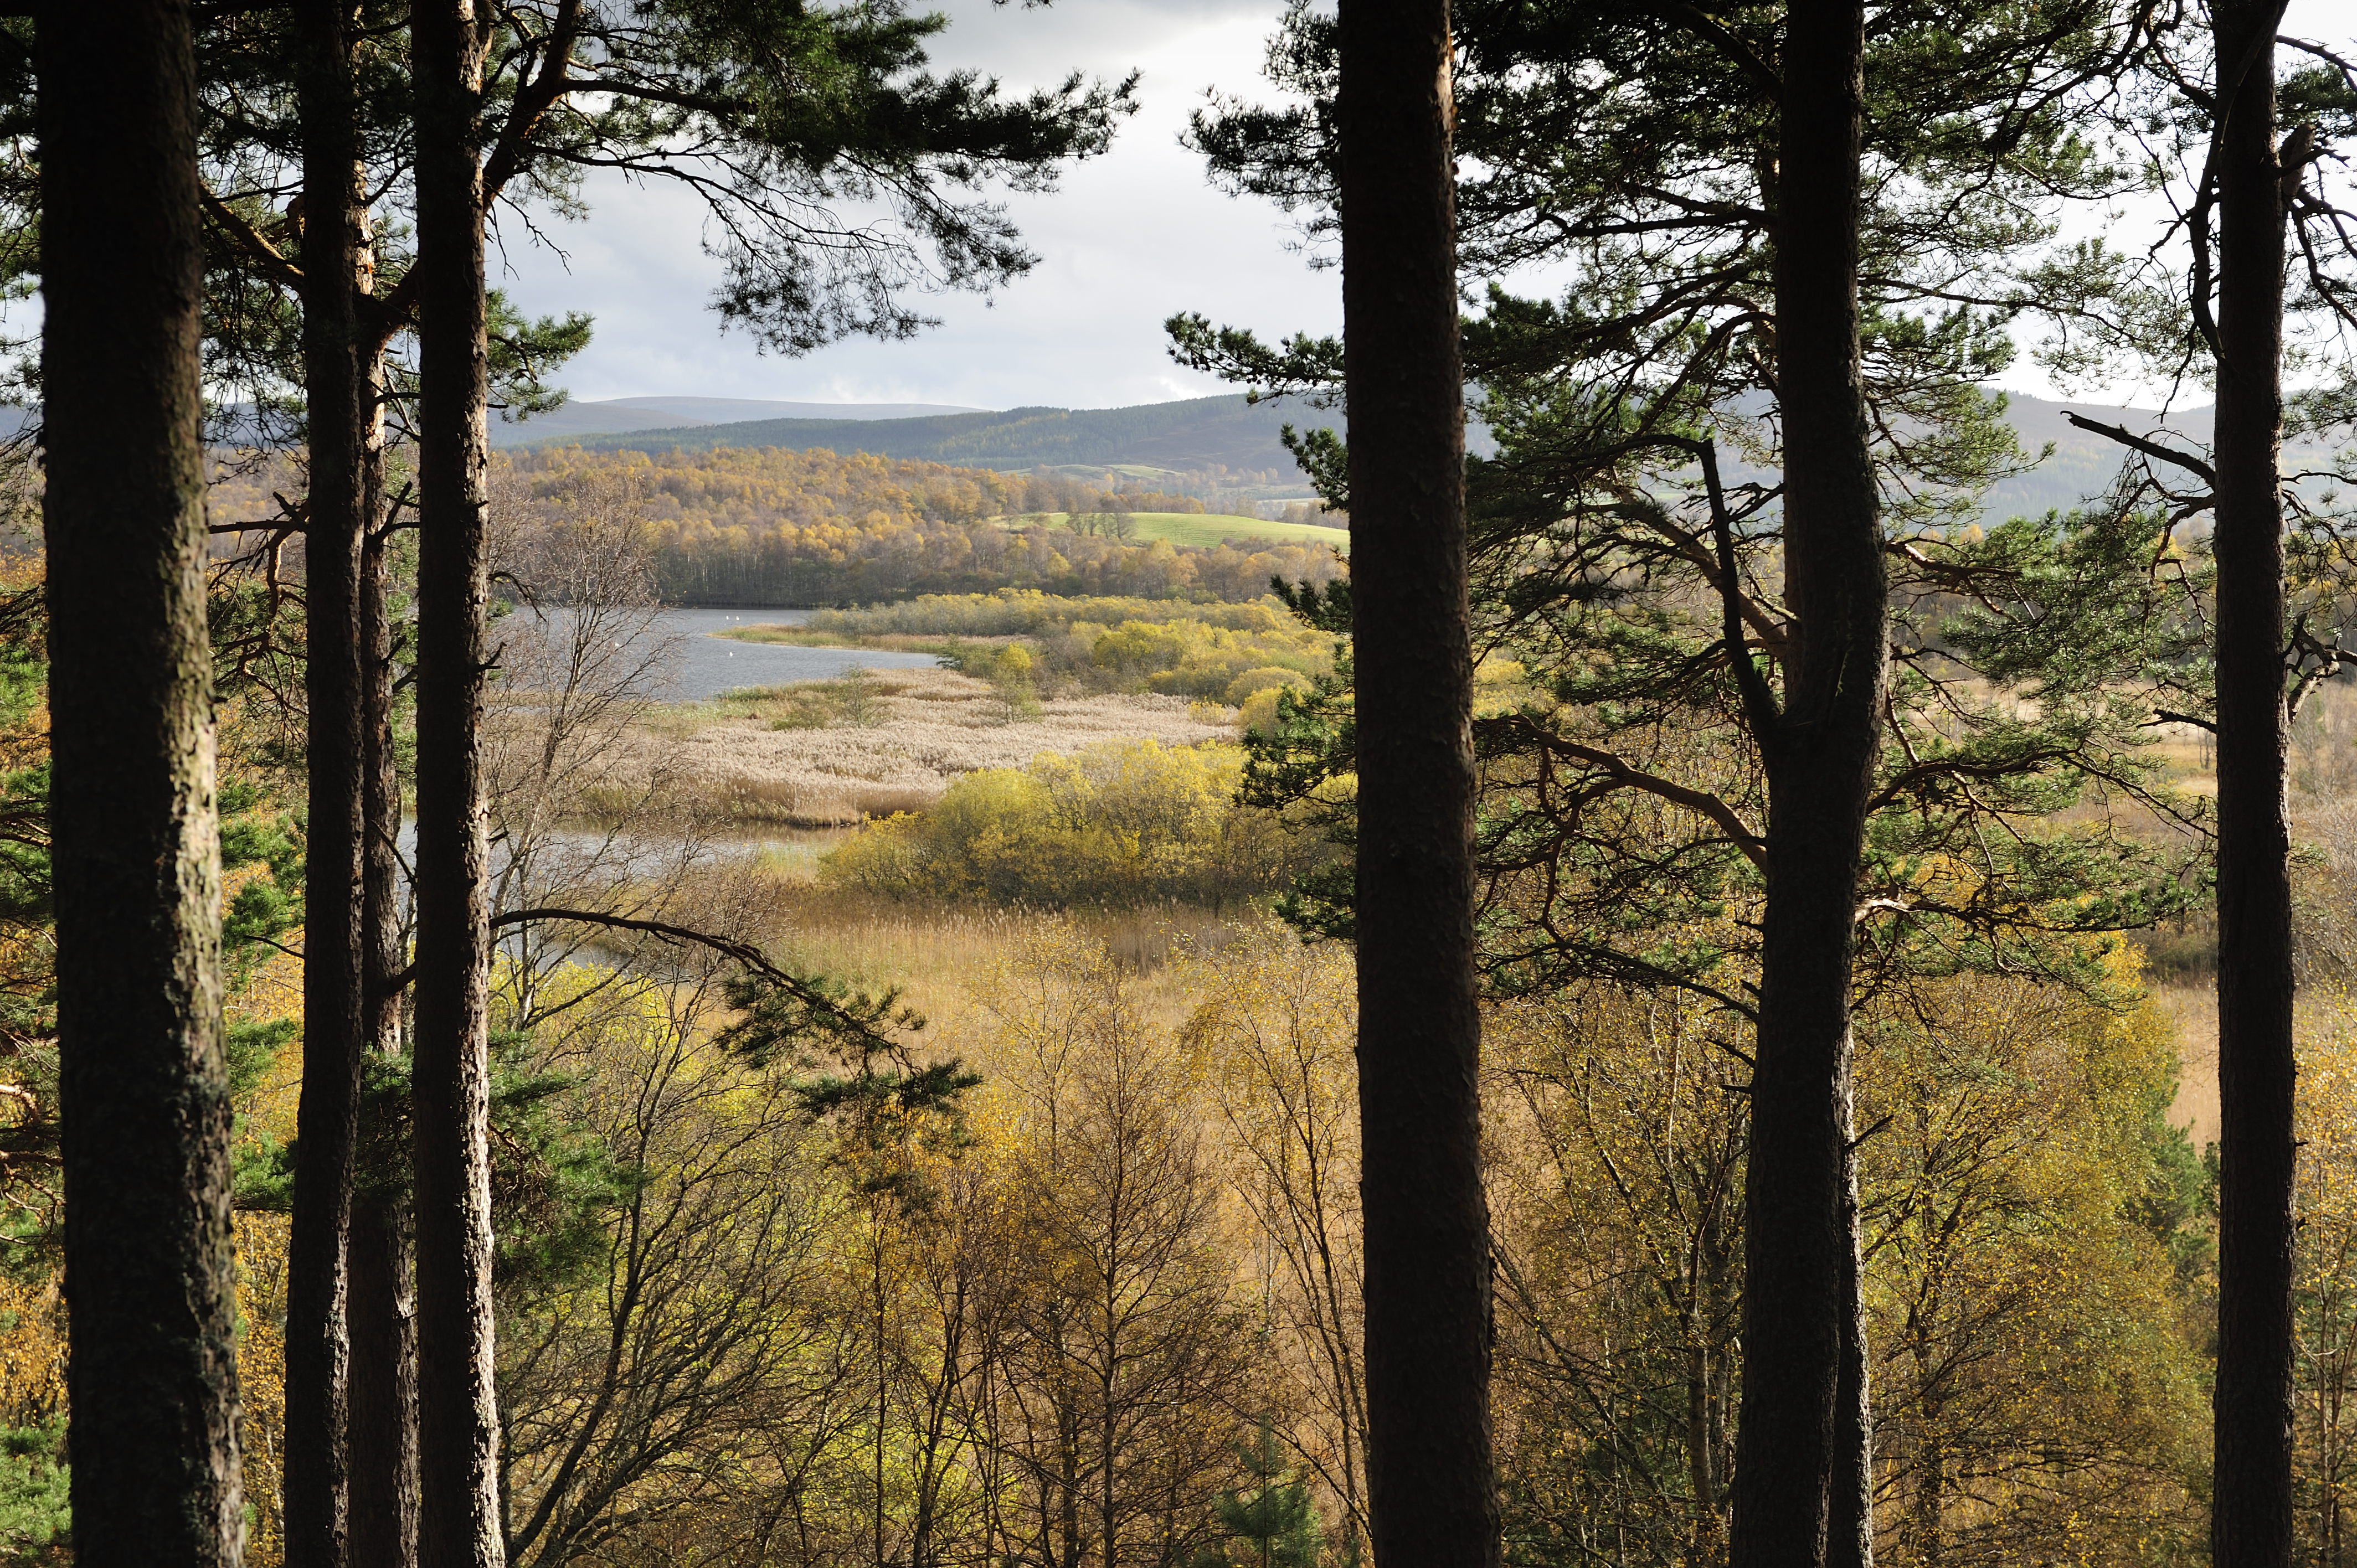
x,y
710,664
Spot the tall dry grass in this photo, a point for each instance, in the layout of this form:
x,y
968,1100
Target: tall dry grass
x,y
758,758
934,954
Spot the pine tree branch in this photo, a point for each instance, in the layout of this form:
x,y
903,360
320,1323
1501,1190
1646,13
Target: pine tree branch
x,y
1758,701
1755,70
1906,780
2304,645
2167,716
533,100
1702,803
256,247
744,953
2185,461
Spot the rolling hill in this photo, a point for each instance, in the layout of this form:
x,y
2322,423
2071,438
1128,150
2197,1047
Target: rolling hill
x,y
573,421
1196,434
1205,434
2083,463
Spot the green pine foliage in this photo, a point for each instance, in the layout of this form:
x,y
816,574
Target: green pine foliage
x,y
35,1505
1627,534
1271,1519
553,1181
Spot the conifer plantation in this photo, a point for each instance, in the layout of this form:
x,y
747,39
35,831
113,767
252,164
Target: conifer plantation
x,y
1653,977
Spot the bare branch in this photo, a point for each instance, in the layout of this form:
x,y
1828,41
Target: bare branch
x,y
1700,802
2185,461
1758,701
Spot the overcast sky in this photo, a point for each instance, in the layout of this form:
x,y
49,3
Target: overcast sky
x,y
1127,239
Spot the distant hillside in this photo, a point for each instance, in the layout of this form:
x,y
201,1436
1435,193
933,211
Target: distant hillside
x,y
1201,434
1198,434
574,420
1220,450
2083,463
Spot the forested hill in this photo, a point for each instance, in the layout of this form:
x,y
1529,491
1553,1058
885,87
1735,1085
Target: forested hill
x,y
2083,463
615,416
1211,434
1206,433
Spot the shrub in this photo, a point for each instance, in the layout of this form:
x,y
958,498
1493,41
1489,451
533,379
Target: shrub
x,y
1013,665
1256,714
1135,649
1119,823
1111,644
1023,612
1265,678
1010,675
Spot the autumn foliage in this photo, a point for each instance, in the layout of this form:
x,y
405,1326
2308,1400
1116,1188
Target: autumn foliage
x,y
770,526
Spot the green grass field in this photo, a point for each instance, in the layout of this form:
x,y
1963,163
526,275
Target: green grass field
x,y
1199,528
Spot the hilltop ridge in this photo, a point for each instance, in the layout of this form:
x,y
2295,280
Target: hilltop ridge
x,y
622,415
1203,436
1192,434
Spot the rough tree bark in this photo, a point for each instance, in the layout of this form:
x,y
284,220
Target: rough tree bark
x,y
334,254
383,1388
1431,1493
458,1522
2251,1517
1799,1495
382,1448
144,1091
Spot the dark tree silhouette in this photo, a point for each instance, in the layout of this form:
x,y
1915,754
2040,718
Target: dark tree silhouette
x,y
382,1316
144,1088
381,1298
1433,1502
457,1520
2251,1518
1799,1491
337,393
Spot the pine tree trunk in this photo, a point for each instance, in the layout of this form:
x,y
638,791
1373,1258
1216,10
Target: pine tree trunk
x,y
1800,1496
457,1520
2250,1511
383,1306
382,1446
334,250
383,1389
384,948
1849,1533
145,1092
1430,1489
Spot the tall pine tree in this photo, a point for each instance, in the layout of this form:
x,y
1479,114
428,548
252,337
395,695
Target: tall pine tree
x,y
1712,647
1432,1500
144,1086
2251,1522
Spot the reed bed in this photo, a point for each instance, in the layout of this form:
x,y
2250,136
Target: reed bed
x,y
891,742
936,954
